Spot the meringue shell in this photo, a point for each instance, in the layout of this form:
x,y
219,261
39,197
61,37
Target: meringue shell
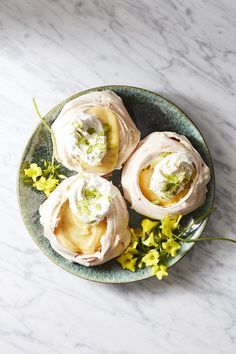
x,y
115,240
129,135
147,151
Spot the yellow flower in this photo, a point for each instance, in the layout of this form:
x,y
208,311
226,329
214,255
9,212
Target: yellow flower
x,y
51,184
134,235
132,248
46,185
148,225
40,184
150,241
151,258
159,271
169,224
33,171
127,261
141,264
171,247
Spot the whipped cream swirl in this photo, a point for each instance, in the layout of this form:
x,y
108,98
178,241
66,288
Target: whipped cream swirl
x,y
90,198
171,174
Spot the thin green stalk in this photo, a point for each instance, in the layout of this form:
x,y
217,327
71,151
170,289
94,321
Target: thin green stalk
x,y
205,239
201,238
201,218
48,128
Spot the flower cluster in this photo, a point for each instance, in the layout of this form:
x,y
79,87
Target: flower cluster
x,y
152,245
45,178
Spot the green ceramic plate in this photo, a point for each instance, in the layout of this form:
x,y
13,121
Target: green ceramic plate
x,y
150,112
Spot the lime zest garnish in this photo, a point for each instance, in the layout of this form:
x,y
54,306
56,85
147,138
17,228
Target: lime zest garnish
x,y
91,131
90,201
90,149
92,193
173,183
96,141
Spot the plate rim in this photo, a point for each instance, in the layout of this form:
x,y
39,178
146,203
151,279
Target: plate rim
x,y
78,94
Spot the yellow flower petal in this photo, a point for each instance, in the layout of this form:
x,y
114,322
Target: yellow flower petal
x,y
33,171
40,184
131,250
150,241
46,185
151,258
127,261
131,265
148,225
171,247
141,264
159,271
135,234
168,224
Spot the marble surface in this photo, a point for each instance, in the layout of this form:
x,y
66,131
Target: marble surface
x,y
184,50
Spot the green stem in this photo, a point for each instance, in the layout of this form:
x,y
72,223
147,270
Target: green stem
x,y
205,239
48,128
201,218
201,238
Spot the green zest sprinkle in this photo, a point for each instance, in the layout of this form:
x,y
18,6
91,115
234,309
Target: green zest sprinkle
x,y
173,183
91,131
82,140
90,149
92,194
83,207
100,146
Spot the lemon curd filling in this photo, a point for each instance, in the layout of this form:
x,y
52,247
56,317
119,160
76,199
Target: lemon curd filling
x,y
167,179
77,236
82,218
106,143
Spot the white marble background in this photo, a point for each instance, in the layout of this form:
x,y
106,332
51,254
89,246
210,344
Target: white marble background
x,y
185,50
